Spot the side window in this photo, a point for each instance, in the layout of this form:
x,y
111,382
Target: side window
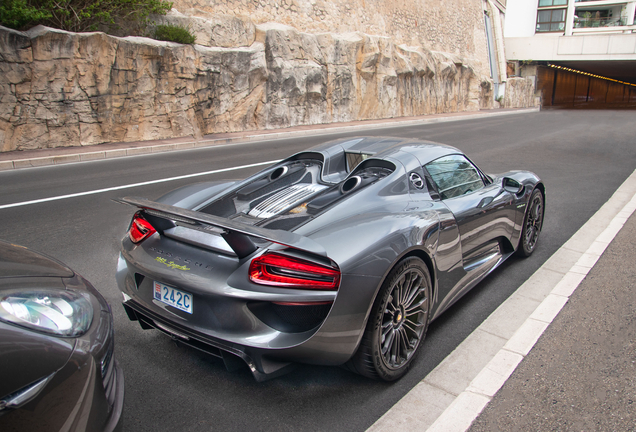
x,y
454,176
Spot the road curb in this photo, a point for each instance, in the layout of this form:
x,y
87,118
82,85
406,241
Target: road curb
x,y
318,130
463,384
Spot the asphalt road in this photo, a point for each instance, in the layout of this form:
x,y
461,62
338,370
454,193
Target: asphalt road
x,y
582,156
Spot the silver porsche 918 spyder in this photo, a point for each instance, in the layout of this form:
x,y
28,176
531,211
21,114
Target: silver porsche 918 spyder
x,y
339,255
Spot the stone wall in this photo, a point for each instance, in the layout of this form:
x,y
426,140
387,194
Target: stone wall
x,y
66,89
520,92
453,26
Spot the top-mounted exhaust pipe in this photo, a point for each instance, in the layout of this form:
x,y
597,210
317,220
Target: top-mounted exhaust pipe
x,y
350,184
278,173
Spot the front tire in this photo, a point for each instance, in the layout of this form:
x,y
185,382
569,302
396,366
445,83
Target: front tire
x,y
532,223
397,324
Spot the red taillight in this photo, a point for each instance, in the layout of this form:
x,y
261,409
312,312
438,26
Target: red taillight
x,y
140,228
283,271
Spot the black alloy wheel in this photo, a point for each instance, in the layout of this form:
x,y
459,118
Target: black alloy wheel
x,y
397,324
531,225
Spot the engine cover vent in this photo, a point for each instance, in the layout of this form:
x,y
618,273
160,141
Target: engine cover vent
x,y
286,199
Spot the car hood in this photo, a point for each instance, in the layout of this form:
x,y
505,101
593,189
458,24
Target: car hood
x,y
27,356
18,261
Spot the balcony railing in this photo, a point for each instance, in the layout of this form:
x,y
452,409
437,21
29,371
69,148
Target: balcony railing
x,y
603,30
597,22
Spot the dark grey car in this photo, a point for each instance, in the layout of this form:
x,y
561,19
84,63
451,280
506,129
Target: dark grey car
x,y
57,368
339,255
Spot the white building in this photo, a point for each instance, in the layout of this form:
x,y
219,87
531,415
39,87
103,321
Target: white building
x,y
596,36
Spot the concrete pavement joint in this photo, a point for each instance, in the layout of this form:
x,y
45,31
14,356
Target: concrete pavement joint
x,y
6,165
158,148
587,245
526,336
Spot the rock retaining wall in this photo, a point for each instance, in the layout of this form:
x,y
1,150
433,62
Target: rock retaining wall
x,y
520,92
453,26
66,89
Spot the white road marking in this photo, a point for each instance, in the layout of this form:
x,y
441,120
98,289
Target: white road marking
x,y
133,185
451,397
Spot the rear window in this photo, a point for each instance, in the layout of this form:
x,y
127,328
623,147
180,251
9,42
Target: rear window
x,y
355,158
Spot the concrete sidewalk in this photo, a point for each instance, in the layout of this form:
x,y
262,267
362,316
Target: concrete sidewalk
x,y
62,155
581,375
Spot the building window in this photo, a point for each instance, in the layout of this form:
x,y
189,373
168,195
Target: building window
x,y
551,18
546,3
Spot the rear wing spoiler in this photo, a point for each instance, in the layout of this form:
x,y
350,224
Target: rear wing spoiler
x,y
237,235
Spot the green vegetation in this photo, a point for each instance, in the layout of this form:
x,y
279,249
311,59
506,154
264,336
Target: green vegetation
x,y
174,33
17,14
81,15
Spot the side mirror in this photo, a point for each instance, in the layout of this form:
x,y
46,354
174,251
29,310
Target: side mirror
x,y
512,186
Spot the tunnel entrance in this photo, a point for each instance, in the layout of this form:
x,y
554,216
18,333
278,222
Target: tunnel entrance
x,y
563,87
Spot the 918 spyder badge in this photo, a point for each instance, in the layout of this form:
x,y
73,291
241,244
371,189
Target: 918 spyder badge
x,y
174,259
171,264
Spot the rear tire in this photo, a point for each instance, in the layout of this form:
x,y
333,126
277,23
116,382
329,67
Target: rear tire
x,y
397,324
532,223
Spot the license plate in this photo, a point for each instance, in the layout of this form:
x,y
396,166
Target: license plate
x,y
173,297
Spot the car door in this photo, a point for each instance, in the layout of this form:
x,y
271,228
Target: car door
x,y
483,210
